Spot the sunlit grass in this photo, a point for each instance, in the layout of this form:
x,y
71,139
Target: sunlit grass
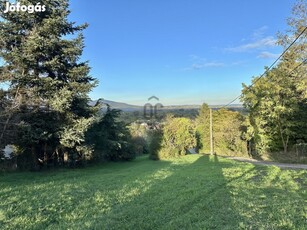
x,y
188,193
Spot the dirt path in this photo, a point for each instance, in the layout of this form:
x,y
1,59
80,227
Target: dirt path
x,y
281,165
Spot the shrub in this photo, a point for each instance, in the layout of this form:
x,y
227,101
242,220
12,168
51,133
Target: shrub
x,y
178,136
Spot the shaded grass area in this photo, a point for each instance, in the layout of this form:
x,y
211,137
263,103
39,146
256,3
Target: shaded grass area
x,y
192,192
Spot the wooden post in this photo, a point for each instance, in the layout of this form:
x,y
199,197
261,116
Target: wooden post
x,y
211,134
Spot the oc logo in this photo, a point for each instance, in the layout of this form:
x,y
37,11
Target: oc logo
x,y
151,111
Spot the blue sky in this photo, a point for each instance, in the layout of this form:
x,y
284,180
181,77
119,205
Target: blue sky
x,y
182,51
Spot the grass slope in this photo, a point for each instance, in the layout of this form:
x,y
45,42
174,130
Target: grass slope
x,y
189,193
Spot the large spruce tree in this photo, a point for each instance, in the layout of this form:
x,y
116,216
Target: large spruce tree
x,y
46,98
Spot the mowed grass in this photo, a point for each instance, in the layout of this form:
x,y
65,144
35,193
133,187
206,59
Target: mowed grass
x,y
193,192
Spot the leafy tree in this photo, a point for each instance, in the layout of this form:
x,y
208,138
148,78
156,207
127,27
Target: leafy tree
x,y
277,103
203,128
48,85
274,104
228,131
178,136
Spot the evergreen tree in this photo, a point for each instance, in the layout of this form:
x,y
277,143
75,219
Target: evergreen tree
x,y
110,137
48,84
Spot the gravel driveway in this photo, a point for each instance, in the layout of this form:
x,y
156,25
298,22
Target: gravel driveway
x,y
281,165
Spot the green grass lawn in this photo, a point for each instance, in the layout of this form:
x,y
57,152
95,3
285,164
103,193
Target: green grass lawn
x,y
194,192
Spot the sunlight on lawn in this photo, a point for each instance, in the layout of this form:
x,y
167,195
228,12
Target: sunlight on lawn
x,y
190,192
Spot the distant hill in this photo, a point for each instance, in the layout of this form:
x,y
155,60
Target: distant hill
x,y
131,108
119,105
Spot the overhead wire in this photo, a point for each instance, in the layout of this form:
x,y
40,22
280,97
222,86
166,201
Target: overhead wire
x,y
269,68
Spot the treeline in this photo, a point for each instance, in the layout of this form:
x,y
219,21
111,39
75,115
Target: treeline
x,y
180,136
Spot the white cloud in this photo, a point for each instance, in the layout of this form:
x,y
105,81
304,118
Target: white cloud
x,y
268,55
199,66
213,64
257,41
194,57
259,33
258,44
207,64
199,63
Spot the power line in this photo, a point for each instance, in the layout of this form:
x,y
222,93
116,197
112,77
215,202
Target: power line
x,y
249,87
303,62
267,70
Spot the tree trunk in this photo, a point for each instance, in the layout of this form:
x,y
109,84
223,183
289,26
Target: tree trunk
x,y
284,142
35,165
45,155
286,145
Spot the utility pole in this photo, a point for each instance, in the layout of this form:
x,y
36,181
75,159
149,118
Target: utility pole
x,y
211,134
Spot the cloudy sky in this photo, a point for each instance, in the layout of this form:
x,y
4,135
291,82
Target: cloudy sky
x,y
182,51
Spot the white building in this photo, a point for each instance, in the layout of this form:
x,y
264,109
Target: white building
x,y
8,151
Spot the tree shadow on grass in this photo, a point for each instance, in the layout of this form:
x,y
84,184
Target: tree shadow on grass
x,y
271,198
193,196
202,193
32,200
